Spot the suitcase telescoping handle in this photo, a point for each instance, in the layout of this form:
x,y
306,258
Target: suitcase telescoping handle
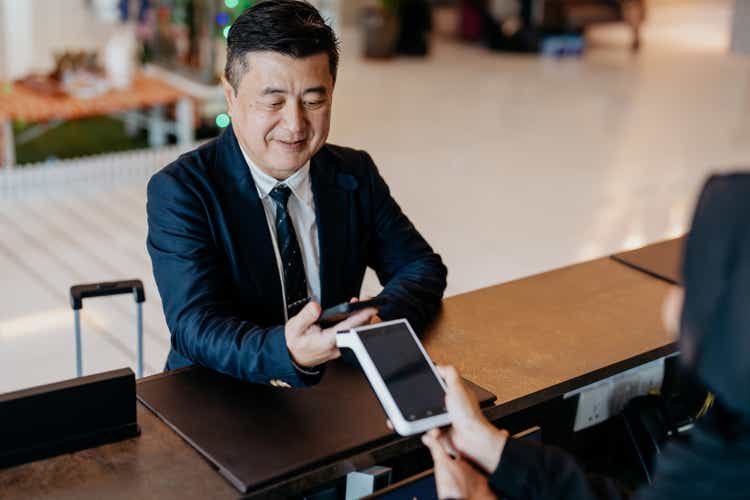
x,y
80,292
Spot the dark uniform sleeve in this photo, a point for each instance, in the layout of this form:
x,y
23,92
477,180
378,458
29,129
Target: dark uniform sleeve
x,y
529,470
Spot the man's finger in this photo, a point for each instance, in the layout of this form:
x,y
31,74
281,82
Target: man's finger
x,y
306,317
357,319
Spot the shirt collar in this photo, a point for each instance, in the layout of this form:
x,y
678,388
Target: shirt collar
x,y
299,182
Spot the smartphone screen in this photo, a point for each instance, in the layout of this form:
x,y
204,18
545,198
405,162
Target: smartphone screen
x,y
405,370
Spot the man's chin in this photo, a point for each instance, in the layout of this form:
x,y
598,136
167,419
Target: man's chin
x,y
288,165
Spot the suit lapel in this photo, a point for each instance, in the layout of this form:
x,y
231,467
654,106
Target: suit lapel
x,y
252,245
332,192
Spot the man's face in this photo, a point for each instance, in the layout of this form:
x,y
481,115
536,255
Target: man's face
x,y
282,111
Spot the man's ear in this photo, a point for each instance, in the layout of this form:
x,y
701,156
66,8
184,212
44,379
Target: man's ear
x,y
229,94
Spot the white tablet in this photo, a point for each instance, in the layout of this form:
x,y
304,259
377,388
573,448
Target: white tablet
x,y
401,374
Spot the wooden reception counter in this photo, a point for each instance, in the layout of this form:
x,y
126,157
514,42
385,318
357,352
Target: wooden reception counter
x,y
527,341
539,337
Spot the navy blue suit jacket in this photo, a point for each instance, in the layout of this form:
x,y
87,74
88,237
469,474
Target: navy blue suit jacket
x,y
215,267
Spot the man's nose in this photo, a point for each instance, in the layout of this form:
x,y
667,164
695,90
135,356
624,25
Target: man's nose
x,y
294,118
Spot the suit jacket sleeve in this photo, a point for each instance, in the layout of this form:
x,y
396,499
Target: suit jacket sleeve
x,y
204,325
413,275
529,470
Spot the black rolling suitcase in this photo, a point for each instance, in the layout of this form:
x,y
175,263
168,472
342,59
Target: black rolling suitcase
x,y
80,292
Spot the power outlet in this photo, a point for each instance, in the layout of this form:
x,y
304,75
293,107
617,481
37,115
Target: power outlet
x,y
599,401
593,407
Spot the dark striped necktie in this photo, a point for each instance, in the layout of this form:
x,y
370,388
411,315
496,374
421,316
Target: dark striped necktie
x,y
295,283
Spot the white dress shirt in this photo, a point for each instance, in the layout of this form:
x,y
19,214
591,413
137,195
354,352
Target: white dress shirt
x,y
301,208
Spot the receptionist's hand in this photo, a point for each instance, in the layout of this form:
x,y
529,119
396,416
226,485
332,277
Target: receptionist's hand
x,y
471,435
454,476
309,344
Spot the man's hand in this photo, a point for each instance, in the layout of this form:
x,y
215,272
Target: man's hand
x,y
309,344
454,477
375,318
470,434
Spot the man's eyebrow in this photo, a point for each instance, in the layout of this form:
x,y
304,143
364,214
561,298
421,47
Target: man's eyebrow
x,y
273,90
320,89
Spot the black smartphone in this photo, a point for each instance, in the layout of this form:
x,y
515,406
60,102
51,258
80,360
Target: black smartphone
x,y
334,314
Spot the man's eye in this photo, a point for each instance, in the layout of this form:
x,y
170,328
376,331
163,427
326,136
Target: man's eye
x,y
314,104
275,104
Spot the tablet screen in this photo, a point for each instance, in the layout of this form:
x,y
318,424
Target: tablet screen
x,y
406,372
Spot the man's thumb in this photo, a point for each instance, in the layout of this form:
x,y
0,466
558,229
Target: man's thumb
x,y
306,317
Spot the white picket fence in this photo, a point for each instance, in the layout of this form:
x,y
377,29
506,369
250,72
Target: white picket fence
x,y
85,174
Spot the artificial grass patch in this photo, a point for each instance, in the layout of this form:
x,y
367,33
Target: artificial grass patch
x,y
83,137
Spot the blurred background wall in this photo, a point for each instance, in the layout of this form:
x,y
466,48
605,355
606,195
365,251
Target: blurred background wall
x,y
29,39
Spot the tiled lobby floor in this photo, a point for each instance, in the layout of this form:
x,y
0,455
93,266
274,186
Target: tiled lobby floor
x,y
509,165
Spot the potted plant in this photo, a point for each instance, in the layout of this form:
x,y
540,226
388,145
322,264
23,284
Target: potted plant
x,y
380,28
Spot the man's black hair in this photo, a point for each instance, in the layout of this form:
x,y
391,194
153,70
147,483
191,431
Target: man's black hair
x,y
291,27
